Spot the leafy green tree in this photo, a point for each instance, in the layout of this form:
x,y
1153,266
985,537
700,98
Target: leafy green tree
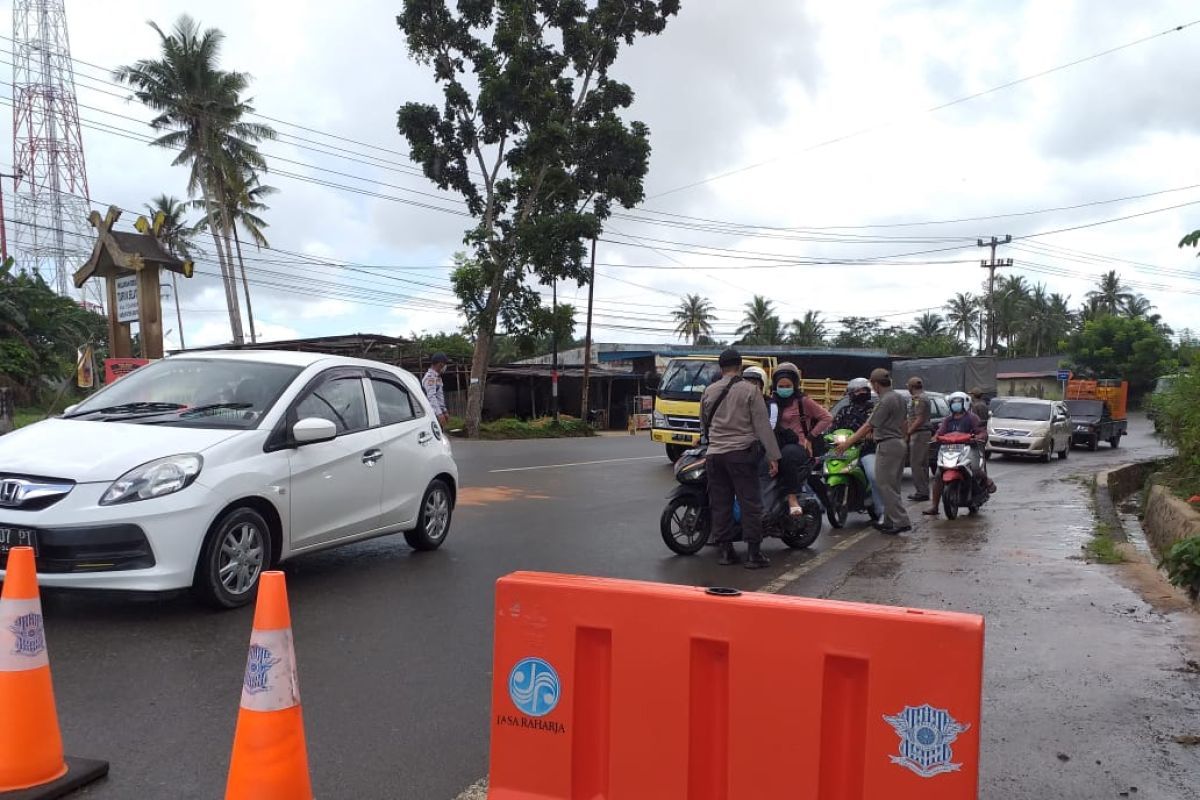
x,y
201,108
857,332
458,348
810,331
530,133
929,325
1119,347
694,318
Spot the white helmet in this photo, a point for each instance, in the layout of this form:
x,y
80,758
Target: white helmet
x,y
962,399
756,374
858,384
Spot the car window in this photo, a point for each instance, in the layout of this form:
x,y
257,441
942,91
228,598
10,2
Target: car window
x,y
940,409
340,400
1015,409
394,402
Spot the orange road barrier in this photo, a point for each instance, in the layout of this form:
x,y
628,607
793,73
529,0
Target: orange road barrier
x,y
620,690
270,761
32,764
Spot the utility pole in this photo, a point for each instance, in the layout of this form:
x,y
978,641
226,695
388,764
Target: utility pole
x,y
554,351
585,409
3,231
990,265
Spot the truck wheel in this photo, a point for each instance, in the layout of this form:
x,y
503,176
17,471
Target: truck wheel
x,y
1066,451
1093,443
1115,441
675,452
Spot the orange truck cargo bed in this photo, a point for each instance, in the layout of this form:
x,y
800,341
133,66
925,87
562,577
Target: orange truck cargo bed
x,y
1113,392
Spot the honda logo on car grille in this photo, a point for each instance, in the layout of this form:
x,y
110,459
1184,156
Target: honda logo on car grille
x,y
10,493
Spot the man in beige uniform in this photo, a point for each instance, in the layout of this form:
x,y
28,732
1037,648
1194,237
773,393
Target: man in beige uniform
x,y
733,414
886,425
918,439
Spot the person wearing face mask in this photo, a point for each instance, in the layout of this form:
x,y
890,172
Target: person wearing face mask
x,y
852,417
961,420
796,419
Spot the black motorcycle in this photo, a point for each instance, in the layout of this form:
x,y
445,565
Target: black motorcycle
x,y
686,522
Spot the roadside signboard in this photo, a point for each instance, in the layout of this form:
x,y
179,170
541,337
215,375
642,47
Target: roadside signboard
x,y
115,368
127,298
1064,375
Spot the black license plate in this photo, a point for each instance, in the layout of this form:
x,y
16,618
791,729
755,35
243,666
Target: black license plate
x,y
1004,443
682,437
17,537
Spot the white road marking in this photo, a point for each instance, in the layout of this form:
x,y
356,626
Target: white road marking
x,y
575,464
795,573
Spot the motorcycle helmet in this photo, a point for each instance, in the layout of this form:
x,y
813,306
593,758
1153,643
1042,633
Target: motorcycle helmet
x,y
787,370
755,374
959,402
859,387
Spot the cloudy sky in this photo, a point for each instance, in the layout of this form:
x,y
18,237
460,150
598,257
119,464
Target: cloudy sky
x,y
783,132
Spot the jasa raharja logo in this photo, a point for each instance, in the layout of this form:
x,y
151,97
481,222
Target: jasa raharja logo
x,y
534,688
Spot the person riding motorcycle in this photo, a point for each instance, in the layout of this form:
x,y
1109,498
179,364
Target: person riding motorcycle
x,y
796,419
757,376
852,417
960,420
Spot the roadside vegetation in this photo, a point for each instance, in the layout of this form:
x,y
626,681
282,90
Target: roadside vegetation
x,y
1178,417
1102,548
540,428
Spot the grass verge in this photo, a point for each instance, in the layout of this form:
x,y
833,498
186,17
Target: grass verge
x,y
541,428
1103,548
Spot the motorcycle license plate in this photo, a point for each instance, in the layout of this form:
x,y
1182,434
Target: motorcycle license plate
x,y
17,537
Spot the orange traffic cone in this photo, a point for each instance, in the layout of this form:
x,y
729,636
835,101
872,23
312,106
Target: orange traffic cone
x,y
31,750
270,761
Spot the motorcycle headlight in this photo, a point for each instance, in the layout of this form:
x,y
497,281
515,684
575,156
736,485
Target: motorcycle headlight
x,y
693,474
154,479
658,419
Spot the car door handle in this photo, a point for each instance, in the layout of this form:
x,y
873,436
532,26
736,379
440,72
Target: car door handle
x,y
424,437
371,457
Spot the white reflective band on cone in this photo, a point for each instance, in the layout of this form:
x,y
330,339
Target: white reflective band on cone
x,y
270,682
22,636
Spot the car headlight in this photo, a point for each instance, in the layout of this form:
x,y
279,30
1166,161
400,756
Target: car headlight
x,y
154,479
658,419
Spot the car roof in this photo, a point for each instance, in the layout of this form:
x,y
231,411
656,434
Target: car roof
x,y
1030,400
285,357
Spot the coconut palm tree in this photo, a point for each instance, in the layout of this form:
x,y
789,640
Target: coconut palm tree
x,y
1137,306
1110,294
202,111
929,325
760,324
810,331
962,315
694,317
175,234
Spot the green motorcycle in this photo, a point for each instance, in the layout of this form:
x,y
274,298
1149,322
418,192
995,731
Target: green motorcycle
x,y
845,481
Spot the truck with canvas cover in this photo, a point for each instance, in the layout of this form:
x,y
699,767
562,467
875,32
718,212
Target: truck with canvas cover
x,y
946,375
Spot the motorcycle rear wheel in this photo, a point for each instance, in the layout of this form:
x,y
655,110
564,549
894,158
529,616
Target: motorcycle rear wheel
x,y
685,526
839,505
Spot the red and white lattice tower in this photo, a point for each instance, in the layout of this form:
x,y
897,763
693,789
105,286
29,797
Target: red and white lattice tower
x,y
52,199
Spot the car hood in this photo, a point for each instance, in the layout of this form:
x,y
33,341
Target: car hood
x,y
91,452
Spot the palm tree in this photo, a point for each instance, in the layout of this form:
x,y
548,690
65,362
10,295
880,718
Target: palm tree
x,y
202,109
760,317
1110,294
175,234
929,325
243,203
695,317
962,312
1137,306
810,331
771,332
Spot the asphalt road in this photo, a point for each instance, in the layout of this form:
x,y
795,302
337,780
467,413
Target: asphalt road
x,y
394,646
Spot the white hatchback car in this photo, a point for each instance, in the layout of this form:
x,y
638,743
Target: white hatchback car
x,y
202,470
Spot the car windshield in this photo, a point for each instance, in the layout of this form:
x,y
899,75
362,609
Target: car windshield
x,y
1086,408
686,379
1014,409
191,392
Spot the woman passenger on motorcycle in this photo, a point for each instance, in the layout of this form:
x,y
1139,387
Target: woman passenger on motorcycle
x,y
797,419
961,420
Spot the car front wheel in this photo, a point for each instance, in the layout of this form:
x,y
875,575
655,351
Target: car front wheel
x,y
235,553
434,522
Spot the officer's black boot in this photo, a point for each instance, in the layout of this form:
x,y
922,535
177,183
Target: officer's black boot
x,y
729,556
756,560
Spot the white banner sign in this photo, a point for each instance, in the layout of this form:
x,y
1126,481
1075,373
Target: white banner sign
x,y
127,298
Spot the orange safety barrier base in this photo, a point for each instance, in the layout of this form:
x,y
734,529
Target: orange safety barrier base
x,y
80,772
621,690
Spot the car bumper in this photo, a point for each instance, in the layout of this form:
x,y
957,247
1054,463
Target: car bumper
x,y
1083,437
669,436
146,546
1034,445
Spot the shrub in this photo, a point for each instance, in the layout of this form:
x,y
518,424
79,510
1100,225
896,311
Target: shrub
x,y
1182,563
541,428
1178,417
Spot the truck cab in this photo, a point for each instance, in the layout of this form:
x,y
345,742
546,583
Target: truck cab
x,y
676,419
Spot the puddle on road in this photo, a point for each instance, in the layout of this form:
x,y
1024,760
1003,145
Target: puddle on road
x,y
487,495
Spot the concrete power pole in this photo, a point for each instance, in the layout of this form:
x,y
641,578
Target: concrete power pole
x,y
587,344
990,265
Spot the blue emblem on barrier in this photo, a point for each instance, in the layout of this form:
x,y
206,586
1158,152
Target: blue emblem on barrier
x,y
31,636
258,669
533,686
926,734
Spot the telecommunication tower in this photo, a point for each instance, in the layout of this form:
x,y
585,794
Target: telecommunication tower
x,y
52,199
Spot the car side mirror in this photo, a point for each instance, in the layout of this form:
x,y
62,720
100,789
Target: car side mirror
x,y
70,408
312,430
